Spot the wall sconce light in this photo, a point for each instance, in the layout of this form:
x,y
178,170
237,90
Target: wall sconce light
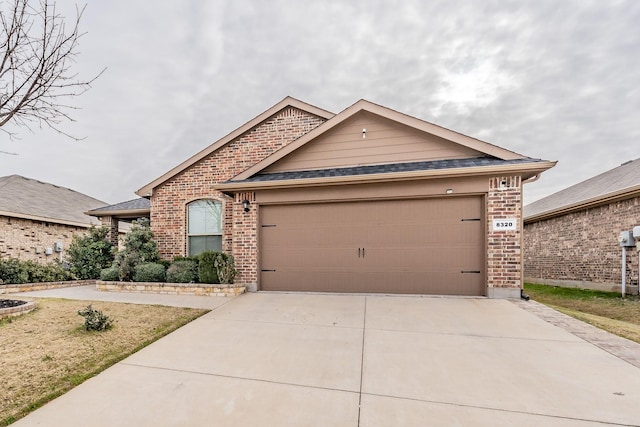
x,y
245,205
449,191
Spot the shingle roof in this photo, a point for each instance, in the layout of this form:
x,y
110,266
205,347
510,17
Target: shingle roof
x,y
135,204
28,197
617,181
386,168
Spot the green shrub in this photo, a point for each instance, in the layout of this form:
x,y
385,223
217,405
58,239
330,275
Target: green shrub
x,y
182,271
110,274
52,272
207,272
149,272
225,268
165,263
90,253
139,248
216,267
95,320
13,271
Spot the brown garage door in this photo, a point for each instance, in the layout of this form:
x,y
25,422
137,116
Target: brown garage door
x,y
425,246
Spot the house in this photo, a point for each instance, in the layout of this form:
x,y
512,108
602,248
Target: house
x,y
366,200
571,237
38,220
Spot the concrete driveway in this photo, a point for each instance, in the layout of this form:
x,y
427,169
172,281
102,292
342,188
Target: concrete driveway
x,y
277,359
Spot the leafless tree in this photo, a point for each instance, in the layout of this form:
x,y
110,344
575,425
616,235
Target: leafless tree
x,y
37,54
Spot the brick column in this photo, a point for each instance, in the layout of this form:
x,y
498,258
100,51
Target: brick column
x,y
112,223
245,240
504,246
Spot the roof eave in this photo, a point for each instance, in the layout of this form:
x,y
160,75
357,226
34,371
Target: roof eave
x,y
584,204
125,213
521,168
46,219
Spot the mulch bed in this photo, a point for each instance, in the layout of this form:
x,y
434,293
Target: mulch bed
x,y
8,303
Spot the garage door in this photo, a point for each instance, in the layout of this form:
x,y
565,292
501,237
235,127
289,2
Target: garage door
x,y
425,246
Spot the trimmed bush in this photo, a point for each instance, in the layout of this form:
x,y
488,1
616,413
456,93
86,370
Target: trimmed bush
x,y
216,267
207,272
13,271
149,272
182,271
225,268
111,274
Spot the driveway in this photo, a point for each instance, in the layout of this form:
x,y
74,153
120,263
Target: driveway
x,y
278,359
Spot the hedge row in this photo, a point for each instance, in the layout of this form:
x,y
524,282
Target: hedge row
x,y
208,267
14,271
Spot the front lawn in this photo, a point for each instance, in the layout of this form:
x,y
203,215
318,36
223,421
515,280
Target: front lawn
x,y
45,353
606,310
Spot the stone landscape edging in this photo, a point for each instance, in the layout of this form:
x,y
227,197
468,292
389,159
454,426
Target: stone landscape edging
x,y
41,286
205,289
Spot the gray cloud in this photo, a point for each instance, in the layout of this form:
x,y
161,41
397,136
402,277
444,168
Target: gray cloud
x,y
556,80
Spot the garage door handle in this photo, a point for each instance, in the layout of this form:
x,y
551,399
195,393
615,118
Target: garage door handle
x,y
360,252
470,271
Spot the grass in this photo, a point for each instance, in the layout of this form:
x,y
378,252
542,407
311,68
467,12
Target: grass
x,y
605,310
47,352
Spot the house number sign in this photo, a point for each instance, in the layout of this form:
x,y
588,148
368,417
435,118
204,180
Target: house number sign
x,y
505,224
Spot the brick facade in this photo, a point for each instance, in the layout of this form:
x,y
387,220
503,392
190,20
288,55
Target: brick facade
x,y
169,200
581,248
504,247
27,239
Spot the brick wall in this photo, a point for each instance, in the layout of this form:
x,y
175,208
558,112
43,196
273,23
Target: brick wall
x,y
583,246
169,200
504,248
27,240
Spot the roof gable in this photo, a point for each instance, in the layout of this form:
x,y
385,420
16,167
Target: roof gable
x,y
369,139
616,183
437,140
285,103
31,199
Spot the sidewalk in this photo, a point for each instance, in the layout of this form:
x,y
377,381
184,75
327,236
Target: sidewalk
x,y
90,293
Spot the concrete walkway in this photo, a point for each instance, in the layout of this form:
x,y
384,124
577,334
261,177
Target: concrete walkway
x,y
276,359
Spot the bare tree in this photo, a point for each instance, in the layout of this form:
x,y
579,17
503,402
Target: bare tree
x,y
37,53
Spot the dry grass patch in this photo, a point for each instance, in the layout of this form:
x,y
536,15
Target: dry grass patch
x,y
47,352
606,310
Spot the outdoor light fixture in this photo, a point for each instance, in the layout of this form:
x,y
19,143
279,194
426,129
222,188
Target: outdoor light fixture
x,y
449,191
245,205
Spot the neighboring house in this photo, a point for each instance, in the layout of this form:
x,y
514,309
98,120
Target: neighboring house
x,y
366,200
571,237
38,220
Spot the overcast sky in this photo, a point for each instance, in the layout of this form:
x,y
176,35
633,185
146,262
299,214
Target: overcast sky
x,y
551,79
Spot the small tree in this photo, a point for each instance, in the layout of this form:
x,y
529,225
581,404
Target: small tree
x,y
139,248
90,253
37,54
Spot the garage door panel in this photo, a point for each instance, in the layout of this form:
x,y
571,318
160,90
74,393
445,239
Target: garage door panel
x,y
433,246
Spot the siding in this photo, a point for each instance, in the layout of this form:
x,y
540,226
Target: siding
x,y
385,142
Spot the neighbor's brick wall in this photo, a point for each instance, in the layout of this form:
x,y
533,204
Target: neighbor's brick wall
x,y
26,239
583,246
504,248
169,200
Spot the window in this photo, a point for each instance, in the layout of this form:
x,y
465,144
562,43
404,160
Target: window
x,y
204,226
